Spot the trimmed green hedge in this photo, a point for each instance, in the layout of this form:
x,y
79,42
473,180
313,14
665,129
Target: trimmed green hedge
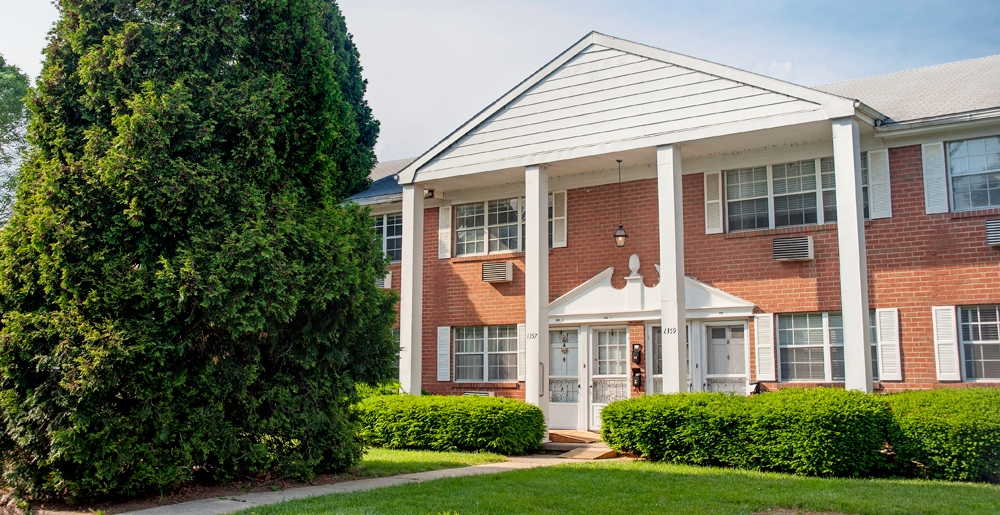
x,y
941,434
823,432
948,434
446,423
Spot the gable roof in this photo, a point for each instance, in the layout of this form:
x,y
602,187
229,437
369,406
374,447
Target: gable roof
x,y
950,88
498,150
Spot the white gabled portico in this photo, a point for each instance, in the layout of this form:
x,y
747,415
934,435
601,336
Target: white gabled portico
x,y
606,98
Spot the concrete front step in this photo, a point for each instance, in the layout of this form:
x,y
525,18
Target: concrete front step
x,y
579,451
572,436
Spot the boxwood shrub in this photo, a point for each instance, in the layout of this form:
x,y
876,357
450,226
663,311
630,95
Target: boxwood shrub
x,y
951,434
446,423
948,433
825,432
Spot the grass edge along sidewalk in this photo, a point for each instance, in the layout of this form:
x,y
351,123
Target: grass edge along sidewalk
x,y
377,463
644,487
229,504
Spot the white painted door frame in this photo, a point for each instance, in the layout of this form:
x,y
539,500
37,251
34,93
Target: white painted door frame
x,y
592,408
706,327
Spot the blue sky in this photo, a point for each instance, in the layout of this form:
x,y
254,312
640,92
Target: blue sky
x,y
433,64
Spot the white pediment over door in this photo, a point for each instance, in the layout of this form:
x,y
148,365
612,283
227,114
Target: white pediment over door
x,y
596,300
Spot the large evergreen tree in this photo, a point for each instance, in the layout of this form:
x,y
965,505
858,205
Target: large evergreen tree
x,y
183,293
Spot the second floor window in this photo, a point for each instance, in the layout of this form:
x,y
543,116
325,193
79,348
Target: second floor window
x,y
390,228
486,227
787,194
974,172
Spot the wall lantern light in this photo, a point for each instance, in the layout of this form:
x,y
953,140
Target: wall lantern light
x,y
620,234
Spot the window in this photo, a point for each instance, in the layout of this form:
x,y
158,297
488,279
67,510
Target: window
x,y
794,188
390,228
974,172
980,339
495,226
788,194
486,353
811,347
612,352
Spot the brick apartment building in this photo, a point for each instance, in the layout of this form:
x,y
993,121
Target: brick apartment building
x,y
846,235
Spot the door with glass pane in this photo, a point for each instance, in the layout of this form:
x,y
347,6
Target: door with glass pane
x,y
726,359
609,368
564,379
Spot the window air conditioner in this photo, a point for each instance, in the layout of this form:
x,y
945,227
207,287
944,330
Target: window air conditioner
x,y
500,272
799,248
993,232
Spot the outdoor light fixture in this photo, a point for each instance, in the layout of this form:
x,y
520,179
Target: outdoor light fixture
x,y
620,234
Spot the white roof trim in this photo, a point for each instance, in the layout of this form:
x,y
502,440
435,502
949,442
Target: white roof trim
x,y
834,106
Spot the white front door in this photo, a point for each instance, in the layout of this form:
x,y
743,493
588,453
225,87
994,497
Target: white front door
x,y
726,358
564,379
609,369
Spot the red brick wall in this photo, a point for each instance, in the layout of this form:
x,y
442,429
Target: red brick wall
x,y
456,296
915,261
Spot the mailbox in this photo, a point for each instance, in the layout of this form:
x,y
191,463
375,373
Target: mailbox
x,y
636,353
637,378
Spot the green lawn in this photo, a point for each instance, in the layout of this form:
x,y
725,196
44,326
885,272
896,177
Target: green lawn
x,y
388,462
641,487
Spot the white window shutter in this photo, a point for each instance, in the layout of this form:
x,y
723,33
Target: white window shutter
x,y
935,178
764,346
713,203
880,196
521,358
946,344
890,367
558,219
444,354
444,232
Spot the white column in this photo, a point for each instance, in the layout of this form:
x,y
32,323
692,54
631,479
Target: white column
x,y
536,288
411,289
853,262
672,305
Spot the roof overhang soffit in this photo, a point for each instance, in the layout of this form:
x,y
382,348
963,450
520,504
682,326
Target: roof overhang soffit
x,y
832,105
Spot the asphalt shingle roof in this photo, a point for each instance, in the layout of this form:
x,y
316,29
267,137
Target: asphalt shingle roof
x,y
384,185
950,88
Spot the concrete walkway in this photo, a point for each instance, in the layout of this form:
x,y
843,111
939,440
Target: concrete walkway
x,y
218,506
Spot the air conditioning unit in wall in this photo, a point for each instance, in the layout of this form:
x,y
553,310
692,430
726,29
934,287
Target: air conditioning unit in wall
x,y
799,248
500,272
993,232
385,282
480,394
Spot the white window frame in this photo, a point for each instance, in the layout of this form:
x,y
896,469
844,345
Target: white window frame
x,y
486,353
827,345
951,178
521,228
381,224
820,204
597,350
962,342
